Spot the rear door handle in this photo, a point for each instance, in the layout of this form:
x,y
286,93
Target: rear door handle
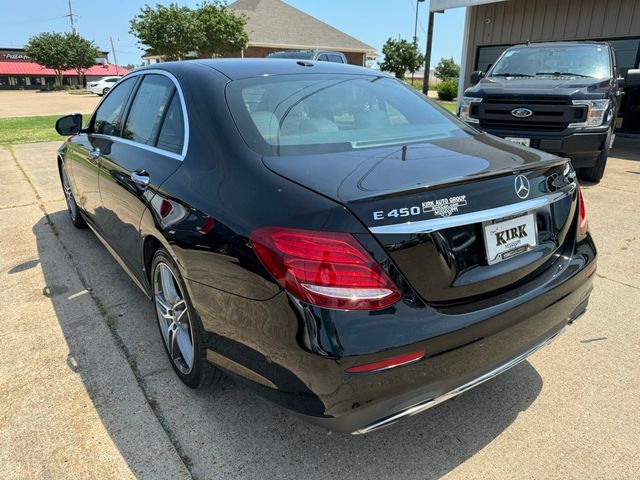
x,y
141,178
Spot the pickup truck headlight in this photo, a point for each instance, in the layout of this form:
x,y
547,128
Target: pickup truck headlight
x,y
465,109
596,112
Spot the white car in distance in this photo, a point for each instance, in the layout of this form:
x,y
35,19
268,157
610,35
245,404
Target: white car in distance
x,y
103,85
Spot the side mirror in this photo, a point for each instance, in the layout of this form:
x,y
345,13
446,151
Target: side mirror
x,y
476,76
69,124
632,79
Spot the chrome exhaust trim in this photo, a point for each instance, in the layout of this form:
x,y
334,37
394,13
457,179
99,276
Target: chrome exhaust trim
x,y
427,404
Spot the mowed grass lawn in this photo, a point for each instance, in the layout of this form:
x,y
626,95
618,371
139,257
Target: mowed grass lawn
x,y
28,129
42,128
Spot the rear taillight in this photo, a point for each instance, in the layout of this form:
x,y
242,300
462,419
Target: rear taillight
x,y
583,222
326,269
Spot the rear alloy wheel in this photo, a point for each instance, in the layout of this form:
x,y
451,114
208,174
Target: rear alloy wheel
x,y
72,206
180,328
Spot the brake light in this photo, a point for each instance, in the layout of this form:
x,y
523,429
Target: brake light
x,y
583,221
387,363
326,269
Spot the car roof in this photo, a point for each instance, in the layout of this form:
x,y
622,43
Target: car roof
x,y
237,68
560,44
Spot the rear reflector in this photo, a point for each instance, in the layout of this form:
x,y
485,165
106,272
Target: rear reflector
x,y
387,363
583,225
326,269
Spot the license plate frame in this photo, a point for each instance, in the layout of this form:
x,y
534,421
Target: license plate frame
x,y
519,140
493,232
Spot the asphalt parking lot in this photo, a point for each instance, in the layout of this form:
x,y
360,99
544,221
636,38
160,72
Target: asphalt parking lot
x,y
88,392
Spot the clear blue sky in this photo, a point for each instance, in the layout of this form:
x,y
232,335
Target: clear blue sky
x,y
372,21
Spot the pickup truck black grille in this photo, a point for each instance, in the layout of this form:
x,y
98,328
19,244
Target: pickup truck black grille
x,y
549,113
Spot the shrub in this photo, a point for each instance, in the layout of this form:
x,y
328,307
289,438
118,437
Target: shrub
x,y
447,90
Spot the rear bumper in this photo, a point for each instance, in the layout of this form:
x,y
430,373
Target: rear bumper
x,y
466,345
581,147
432,402
465,358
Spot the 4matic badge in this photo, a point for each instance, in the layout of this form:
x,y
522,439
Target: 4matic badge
x,y
442,207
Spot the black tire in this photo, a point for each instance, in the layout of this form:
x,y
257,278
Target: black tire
x,y
595,173
72,207
105,90
202,373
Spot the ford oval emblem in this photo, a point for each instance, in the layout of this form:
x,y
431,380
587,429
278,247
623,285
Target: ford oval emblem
x,y
521,112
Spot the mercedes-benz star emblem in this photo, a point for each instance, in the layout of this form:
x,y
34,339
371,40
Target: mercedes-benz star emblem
x,y
522,186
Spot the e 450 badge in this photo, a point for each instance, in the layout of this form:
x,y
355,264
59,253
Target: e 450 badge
x,y
442,207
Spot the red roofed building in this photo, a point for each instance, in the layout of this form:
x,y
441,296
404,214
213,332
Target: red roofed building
x,y
17,71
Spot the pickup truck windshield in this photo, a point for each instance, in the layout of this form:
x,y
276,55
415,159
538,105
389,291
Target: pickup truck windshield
x,y
319,113
554,61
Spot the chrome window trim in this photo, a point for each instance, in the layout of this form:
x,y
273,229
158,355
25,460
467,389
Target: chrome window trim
x,y
151,148
435,224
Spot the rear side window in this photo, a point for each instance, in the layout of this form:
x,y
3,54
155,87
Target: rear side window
x,y
335,58
171,137
109,114
318,113
148,108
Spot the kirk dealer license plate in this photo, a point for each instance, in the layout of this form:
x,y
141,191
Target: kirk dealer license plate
x,y
505,239
520,141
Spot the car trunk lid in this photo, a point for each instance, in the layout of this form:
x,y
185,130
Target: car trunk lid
x,y
429,206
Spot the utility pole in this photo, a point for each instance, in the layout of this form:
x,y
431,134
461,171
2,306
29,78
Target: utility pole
x,y
115,59
427,57
415,32
70,15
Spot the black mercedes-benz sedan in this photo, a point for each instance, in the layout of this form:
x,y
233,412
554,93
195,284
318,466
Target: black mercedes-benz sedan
x,y
326,235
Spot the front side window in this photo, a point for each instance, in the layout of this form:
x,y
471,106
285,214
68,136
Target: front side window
x,y
563,60
335,58
108,117
316,113
148,108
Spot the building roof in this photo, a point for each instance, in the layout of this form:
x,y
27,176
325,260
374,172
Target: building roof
x,y
34,69
439,5
273,23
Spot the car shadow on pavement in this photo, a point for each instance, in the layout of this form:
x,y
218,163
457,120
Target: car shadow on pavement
x,y
227,430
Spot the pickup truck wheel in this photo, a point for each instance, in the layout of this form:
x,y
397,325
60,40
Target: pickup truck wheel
x,y
595,173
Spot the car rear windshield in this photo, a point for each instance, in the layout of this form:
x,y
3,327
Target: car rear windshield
x,y
298,55
317,113
563,60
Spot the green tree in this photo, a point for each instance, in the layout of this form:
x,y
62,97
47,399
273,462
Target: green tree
x,y
82,54
165,30
218,30
51,50
401,56
447,69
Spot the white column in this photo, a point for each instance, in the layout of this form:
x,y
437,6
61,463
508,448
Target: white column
x,y
465,49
